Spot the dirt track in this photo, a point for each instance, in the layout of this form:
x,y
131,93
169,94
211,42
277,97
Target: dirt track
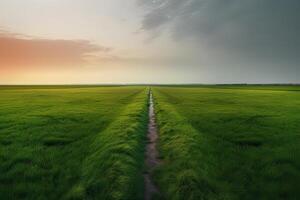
x,y
151,156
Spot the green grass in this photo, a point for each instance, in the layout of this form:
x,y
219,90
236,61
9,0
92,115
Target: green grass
x,y
88,142
72,142
229,143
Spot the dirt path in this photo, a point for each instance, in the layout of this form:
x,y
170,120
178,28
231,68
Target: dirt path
x,y
151,157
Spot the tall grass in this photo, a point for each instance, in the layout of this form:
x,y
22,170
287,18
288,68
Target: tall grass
x,y
225,143
51,140
182,174
114,167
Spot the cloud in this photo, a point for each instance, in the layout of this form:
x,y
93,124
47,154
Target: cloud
x,y
266,31
19,51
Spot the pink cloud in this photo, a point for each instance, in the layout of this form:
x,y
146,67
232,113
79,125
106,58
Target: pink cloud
x,y
17,51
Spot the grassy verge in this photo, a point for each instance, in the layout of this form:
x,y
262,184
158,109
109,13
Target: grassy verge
x,y
221,143
114,167
183,174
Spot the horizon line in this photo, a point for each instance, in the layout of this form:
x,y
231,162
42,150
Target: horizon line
x,y
145,84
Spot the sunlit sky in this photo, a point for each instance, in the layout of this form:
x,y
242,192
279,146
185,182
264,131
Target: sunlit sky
x,y
144,41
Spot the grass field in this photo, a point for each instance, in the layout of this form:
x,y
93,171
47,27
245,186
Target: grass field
x,y
71,143
229,142
215,142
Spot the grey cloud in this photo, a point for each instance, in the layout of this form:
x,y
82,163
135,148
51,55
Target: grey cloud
x,y
265,30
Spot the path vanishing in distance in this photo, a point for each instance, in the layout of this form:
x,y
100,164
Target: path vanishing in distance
x,y
151,156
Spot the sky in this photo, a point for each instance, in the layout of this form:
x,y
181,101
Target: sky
x,y
149,41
